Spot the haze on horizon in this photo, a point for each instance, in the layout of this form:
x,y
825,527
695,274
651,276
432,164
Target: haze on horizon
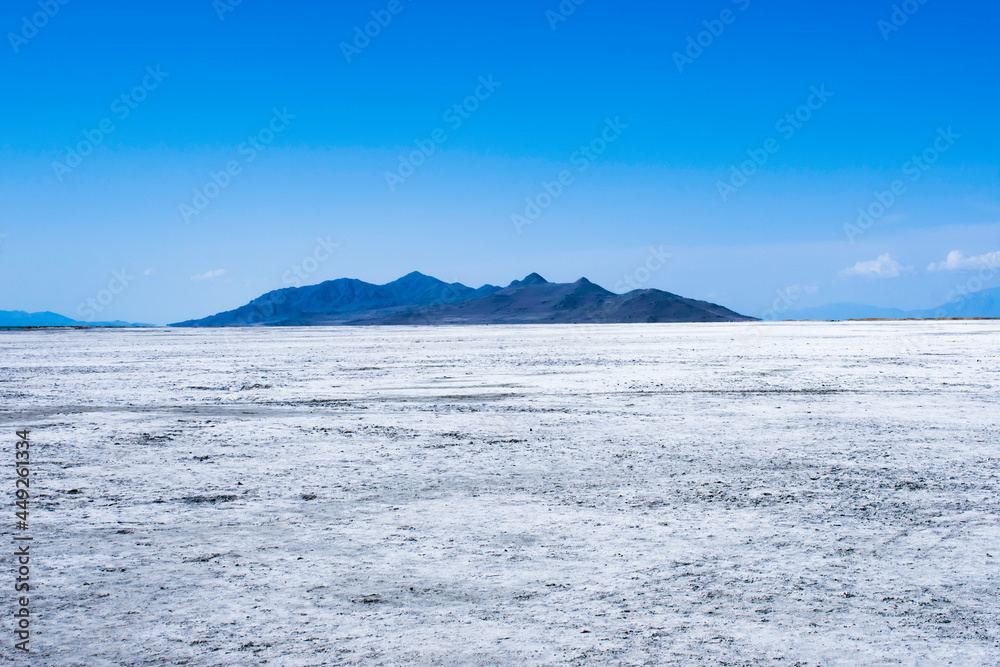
x,y
199,154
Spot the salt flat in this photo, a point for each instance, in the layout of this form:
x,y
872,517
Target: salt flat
x,y
735,494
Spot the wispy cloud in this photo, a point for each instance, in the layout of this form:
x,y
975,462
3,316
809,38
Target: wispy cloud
x,y
882,267
208,275
991,207
957,261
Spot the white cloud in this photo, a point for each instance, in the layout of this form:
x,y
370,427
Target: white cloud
x,y
992,207
209,275
957,261
883,267
147,272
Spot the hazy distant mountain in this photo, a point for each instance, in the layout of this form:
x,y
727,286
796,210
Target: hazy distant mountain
x,y
984,303
20,319
845,311
419,299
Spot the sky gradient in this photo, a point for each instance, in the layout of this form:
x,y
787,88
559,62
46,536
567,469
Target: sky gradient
x,y
208,152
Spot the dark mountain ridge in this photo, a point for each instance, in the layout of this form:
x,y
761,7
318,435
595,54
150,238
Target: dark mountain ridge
x,y
420,299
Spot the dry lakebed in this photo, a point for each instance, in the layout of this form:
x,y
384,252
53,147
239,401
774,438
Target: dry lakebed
x,y
714,494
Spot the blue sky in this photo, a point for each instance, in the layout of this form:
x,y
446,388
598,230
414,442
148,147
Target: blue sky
x,y
239,148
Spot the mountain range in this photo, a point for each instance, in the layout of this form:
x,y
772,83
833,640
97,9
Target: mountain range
x,y
984,303
420,299
18,319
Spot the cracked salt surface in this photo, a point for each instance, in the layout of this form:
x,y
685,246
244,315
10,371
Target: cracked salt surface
x,y
734,494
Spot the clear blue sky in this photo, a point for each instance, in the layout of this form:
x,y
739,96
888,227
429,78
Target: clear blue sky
x,y
196,87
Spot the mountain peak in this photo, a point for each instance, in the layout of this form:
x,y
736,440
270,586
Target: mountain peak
x,y
421,299
413,276
534,279
414,280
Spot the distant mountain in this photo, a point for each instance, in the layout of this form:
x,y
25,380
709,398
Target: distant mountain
x,y
16,319
845,311
535,300
19,318
419,299
341,301
984,303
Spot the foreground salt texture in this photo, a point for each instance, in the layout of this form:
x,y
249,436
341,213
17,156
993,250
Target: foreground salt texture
x,y
736,494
